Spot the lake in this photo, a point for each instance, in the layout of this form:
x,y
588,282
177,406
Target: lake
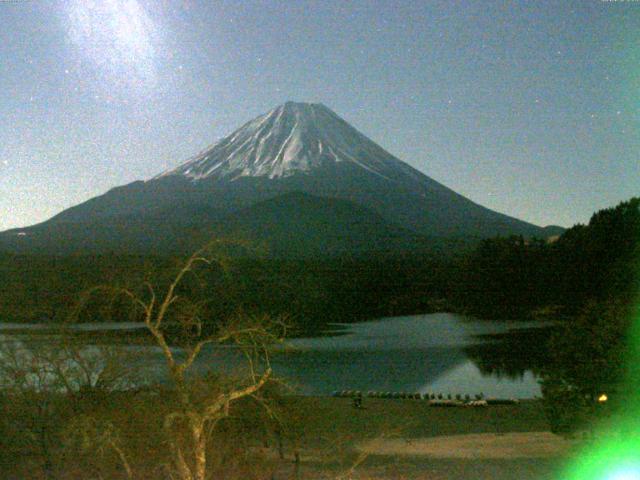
x,y
423,353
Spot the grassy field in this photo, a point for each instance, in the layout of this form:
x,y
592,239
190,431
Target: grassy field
x,y
413,418
386,439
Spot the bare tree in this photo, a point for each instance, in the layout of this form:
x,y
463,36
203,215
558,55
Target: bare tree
x,y
170,315
99,436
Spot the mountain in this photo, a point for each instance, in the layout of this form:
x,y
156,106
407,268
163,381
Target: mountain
x,y
249,175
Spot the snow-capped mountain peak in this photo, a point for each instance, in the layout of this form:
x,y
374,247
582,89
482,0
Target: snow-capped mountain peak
x,y
298,172
291,138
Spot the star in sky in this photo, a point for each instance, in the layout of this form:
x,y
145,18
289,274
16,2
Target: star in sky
x,y
483,99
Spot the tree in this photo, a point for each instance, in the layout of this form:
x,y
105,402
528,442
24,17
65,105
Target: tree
x,y
181,313
587,360
504,277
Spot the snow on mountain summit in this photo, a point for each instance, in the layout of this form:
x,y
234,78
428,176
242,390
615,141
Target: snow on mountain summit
x,y
291,138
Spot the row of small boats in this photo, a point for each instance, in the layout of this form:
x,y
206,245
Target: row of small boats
x,y
435,399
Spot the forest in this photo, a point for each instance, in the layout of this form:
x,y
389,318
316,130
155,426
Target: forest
x,y
514,277
587,280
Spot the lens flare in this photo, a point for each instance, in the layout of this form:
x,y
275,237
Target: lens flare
x,y
116,36
615,455
625,473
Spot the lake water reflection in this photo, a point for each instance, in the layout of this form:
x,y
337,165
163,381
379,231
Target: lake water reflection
x,y
422,353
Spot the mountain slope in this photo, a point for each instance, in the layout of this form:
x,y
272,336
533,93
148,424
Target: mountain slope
x,y
290,225
301,225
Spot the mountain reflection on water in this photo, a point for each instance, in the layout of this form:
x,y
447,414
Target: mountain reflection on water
x,y
439,353
434,353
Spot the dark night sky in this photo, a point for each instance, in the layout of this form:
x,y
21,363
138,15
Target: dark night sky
x,y
529,108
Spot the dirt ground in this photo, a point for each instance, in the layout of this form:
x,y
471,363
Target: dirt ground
x,y
514,445
486,456
386,439
495,443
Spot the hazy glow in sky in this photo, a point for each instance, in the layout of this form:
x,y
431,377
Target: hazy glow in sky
x,y
529,108
117,36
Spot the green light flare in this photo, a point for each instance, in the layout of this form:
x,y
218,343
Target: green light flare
x,y
616,452
614,459
625,473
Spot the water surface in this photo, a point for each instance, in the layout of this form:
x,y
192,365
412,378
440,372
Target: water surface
x,y
421,353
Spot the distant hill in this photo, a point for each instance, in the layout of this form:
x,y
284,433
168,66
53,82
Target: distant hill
x,y
299,225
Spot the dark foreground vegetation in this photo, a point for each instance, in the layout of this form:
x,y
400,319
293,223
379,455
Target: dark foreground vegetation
x,y
122,436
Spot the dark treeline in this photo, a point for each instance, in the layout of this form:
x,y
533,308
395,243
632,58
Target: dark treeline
x,y
310,292
514,277
346,289
501,278
37,288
